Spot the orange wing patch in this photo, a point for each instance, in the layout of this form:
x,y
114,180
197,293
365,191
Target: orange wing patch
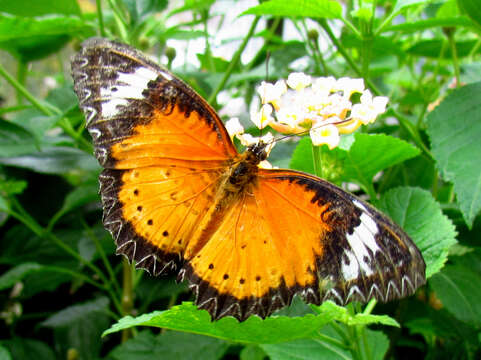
x,y
169,135
165,205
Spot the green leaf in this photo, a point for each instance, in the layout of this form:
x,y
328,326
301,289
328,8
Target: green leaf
x,y
36,124
281,153
12,187
140,9
403,4
180,34
31,38
459,289
416,211
302,8
252,352
54,160
80,196
370,154
381,46
80,326
4,354
365,157
436,48
378,343
423,319
305,349
15,140
471,8
364,13
16,28
40,7
454,128
170,345
18,246
188,318
447,9
195,5
426,24
28,349
16,274
319,348
344,316
151,289
74,313
302,157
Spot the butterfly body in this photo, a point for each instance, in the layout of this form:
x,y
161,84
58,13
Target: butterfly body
x,y
178,197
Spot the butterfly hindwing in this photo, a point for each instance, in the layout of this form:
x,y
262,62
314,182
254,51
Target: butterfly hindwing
x,y
297,234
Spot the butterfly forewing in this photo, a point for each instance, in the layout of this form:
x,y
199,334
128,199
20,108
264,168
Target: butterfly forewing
x,y
138,113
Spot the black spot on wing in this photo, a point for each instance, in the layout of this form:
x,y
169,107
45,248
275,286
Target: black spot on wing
x,y
135,247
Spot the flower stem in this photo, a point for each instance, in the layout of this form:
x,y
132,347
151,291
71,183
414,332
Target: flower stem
x,y
120,20
100,17
127,295
21,90
454,54
234,61
316,159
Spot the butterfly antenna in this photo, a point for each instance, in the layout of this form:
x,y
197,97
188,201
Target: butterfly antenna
x,y
304,132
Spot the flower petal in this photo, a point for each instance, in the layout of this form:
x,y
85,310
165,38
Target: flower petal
x,y
328,134
234,127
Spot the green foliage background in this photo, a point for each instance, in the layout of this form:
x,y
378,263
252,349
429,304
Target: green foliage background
x,y
62,287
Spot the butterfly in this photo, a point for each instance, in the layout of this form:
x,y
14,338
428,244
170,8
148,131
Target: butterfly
x,y
179,198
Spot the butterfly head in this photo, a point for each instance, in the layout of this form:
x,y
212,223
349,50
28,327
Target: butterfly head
x,y
258,152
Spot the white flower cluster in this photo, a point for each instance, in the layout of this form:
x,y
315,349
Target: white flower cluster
x,y
321,106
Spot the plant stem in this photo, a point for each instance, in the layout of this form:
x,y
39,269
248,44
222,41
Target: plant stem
x,y
25,93
100,17
406,125
100,250
38,230
339,47
10,109
46,110
332,341
267,39
367,347
454,54
340,331
234,61
119,19
313,45
205,19
127,295
354,336
370,306
21,78
316,159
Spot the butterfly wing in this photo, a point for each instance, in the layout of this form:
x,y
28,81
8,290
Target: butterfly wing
x,y
162,146
297,234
